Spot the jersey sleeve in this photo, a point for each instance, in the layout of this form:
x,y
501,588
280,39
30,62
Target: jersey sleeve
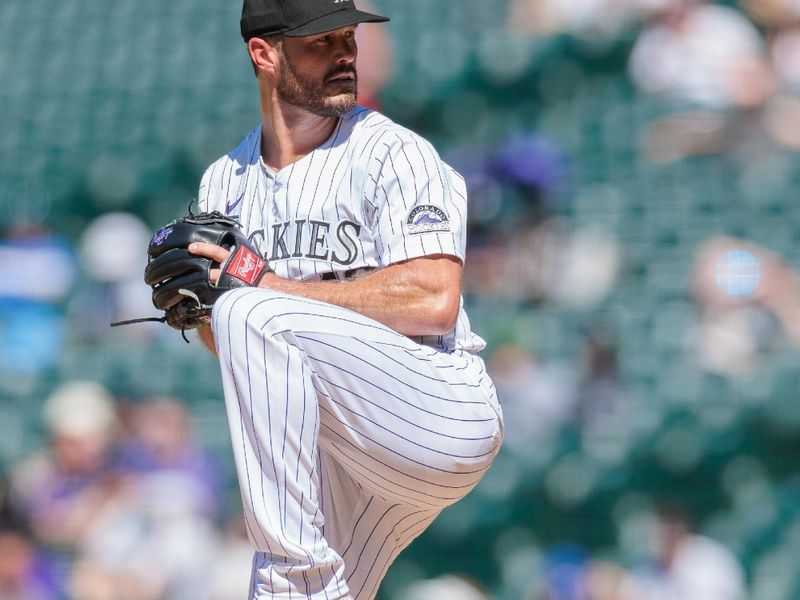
x,y
204,192
418,202
223,183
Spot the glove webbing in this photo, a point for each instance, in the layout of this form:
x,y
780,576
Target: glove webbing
x,y
159,319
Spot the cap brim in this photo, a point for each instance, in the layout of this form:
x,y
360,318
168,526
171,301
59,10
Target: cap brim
x,y
335,20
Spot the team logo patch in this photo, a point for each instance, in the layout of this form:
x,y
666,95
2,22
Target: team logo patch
x,y
245,265
161,236
427,218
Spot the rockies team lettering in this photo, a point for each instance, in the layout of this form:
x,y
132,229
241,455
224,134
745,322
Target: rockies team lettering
x,y
317,240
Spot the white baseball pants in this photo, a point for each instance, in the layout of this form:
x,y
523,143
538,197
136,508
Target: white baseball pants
x,y
348,437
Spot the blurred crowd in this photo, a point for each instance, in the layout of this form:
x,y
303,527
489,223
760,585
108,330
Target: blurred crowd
x,y
123,502
679,565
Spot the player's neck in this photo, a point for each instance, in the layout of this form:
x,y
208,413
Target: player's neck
x,y
288,134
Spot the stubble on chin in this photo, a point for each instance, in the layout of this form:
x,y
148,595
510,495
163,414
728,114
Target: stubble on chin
x,y
314,96
335,106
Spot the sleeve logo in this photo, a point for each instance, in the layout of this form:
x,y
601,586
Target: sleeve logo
x,y
423,219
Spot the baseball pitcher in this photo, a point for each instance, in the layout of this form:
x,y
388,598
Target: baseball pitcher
x,y
325,273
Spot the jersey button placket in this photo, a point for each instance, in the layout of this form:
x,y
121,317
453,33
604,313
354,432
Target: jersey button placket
x,y
280,180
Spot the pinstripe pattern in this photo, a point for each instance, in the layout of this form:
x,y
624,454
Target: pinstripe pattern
x,y
349,438
343,208
315,389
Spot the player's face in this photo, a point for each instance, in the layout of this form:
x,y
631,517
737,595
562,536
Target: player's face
x,y
318,73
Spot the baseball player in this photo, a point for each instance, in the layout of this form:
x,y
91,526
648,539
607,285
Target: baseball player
x,y
358,406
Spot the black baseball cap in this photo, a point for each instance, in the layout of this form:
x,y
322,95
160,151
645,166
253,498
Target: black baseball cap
x,y
296,18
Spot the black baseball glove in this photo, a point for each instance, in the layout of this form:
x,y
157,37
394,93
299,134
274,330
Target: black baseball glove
x,y
181,282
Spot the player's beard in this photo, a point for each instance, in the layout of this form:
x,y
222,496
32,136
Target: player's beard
x,y
311,95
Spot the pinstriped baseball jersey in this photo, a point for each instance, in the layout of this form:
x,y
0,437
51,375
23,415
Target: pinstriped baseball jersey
x,y
349,438
373,194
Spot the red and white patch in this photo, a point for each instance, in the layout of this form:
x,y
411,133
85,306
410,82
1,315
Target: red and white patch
x,y
245,265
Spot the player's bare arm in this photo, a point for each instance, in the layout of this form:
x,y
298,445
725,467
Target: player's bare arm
x,y
416,297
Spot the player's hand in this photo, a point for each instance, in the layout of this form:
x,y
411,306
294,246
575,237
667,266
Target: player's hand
x,y
216,253
220,255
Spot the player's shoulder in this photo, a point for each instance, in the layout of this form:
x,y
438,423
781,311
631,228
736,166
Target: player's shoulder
x,y
365,121
225,174
237,160
372,128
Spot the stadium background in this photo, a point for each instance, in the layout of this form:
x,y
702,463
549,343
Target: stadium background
x,y
634,229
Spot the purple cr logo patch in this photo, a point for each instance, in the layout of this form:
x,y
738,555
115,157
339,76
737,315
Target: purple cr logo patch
x,y
161,236
427,218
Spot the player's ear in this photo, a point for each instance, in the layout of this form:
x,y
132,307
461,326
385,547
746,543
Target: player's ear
x,y
264,53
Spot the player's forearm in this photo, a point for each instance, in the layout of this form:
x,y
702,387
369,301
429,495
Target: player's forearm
x,y
405,309
422,299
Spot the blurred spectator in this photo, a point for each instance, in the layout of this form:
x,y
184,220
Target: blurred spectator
x,y
688,133
540,170
374,60
446,587
518,250
513,265
710,61
135,523
746,294
589,18
25,573
155,538
512,242
547,262
702,54
785,58
161,440
773,12
537,399
600,397
566,568
512,186
112,252
63,486
570,573
486,193
38,272
782,113
606,581
585,267
151,541
38,265
686,565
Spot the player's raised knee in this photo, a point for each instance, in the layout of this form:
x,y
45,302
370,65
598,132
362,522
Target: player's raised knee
x,y
250,308
233,308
